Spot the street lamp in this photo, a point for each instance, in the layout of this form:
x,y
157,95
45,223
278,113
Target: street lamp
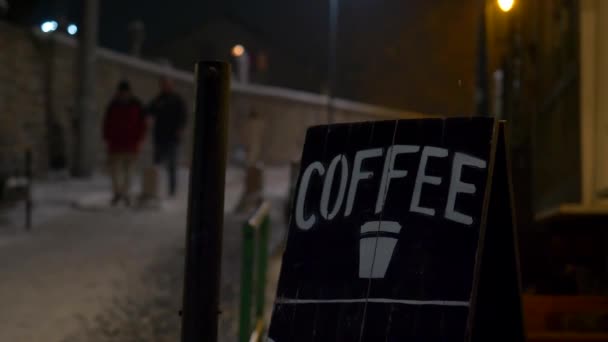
x,y
242,59
72,29
49,26
238,50
506,5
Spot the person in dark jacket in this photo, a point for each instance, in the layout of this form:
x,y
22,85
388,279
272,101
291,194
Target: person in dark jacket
x,y
168,111
124,128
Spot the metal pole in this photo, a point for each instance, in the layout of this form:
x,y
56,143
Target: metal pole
x,y
254,258
28,198
481,93
247,266
331,58
262,267
85,106
206,203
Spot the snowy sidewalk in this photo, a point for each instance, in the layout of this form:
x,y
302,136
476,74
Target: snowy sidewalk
x,y
54,198
111,274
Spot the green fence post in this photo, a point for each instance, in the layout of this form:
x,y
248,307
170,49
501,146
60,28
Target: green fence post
x,y
246,282
262,265
254,261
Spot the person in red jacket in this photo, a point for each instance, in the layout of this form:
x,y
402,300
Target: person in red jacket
x,y
124,130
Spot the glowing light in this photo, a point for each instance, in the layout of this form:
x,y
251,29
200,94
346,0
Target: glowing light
x,y
506,5
72,29
238,50
49,26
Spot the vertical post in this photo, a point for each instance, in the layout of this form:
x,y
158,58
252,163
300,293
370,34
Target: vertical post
x,y
331,58
262,265
243,67
206,203
247,267
28,198
85,106
498,101
481,94
589,33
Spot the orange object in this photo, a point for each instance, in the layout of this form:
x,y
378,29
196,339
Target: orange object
x,y
566,318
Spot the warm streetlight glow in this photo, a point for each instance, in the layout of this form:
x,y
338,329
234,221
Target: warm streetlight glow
x,y
238,50
506,5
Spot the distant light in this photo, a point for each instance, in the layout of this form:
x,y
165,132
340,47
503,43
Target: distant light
x,y
238,50
49,26
506,5
72,29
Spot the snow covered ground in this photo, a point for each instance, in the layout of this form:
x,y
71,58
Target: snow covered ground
x,y
95,273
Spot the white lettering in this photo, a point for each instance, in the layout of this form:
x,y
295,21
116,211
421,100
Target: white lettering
x,y
307,211
358,175
457,186
301,222
389,171
421,178
329,179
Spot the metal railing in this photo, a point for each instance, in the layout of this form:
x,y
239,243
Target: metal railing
x,y
253,274
17,178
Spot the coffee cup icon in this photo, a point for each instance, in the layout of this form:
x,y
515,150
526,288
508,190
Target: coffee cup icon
x,y
376,245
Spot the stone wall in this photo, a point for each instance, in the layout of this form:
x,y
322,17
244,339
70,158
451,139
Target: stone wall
x,y
22,100
37,98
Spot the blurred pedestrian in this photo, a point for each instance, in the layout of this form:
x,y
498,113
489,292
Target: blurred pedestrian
x,y
168,111
124,130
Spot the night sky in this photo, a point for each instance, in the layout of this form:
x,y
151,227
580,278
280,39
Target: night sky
x,y
411,54
298,24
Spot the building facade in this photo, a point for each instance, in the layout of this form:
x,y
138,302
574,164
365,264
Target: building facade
x,y
546,62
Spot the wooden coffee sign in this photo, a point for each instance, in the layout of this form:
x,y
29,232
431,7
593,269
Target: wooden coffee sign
x,y
401,231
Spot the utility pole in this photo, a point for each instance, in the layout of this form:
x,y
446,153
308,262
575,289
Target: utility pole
x,y
200,313
331,58
481,86
137,35
85,98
